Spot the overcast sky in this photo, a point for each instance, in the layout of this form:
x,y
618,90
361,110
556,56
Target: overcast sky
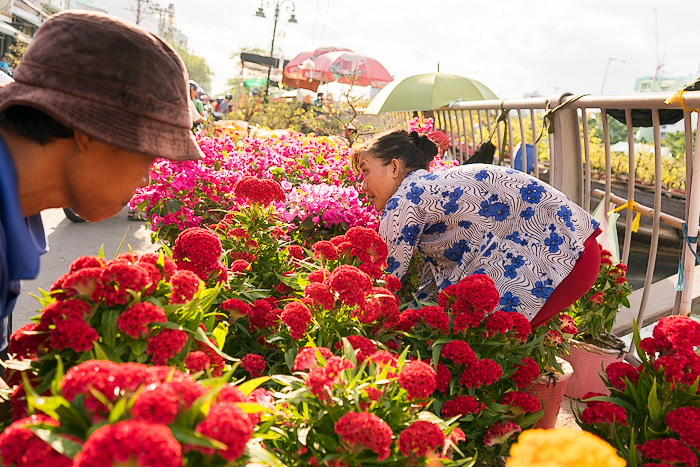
x,y
512,46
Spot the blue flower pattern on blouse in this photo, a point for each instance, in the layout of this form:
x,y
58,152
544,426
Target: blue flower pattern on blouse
x,y
497,210
437,228
509,302
391,204
532,193
457,250
409,234
391,264
481,176
565,214
464,224
414,195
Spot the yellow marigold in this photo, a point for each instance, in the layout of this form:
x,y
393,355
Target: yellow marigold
x,y
562,447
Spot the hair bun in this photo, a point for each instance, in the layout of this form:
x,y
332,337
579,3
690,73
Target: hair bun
x,y
424,144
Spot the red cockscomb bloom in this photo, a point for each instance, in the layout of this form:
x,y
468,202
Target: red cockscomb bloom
x,y
465,319
59,311
521,326
566,324
382,358
135,320
392,283
110,444
686,422
297,317
484,373
85,377
236,308
479,292
73,333
258,314
668,450
325,250
216,360
521,402
156,404
459,352
231,393
239,265
420,439
197,361
117,280
154,277
185,284
82,262
253,364
26,341
618,371
418,379
197,250
442,378
462,405
436,318
604,412
165,345
500,432
498,322
527,372
307,359
227,423
319,275
259,190
81,283
320,295
295,251
20,447
164,264
447,296
676,332
366,430
408,320
351,284
596,298
363,347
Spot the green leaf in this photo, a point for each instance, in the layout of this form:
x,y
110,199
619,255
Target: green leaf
x,y
655,411
251,407
251,385
188,436
219,334
172,205
59,443
260,454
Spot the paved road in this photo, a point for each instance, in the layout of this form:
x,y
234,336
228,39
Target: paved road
x,y
67,241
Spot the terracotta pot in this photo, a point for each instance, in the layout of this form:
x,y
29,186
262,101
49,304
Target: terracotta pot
x,y
589,362
549,389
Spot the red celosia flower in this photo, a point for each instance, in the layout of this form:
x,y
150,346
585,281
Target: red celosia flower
x,y
128,257
436,318
553,338
465,319
351,284
459,352
618,371
135,320
382,358
185,284
363,347
117,280
236,308
498,322
462,405
239,265
297,317
73,333
566,324
259,190
366,430
258,314
500,432
521,402
443,378
418,379
82,262
325,250
596,298
386,306
154,277
367,245
320,295
686,422
199,247
164,264
165,345
604,412
306,358
295,251
677,332
408,320
373,270
227,423
110,444
216,360
483,373
373,393
527,371
521,326
20,447
668,450
94,375
319,275
156,404
447,296
26,341
319,383
60,311
231,393
197,361
253,364
479,293
420,439
682,367
393,283
81,283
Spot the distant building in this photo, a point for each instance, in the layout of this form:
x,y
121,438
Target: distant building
x,y
660,84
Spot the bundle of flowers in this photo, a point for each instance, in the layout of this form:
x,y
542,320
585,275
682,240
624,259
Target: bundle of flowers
x,y
346,412
104,413
483,361
651,416
134,308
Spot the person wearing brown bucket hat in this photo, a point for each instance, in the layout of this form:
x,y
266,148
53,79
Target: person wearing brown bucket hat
x,y
95,101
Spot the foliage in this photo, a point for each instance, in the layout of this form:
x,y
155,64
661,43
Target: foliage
x,y
594,313
652,413
197,67
15,52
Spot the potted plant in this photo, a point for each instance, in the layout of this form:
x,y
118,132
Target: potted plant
x,y
593,347
651,416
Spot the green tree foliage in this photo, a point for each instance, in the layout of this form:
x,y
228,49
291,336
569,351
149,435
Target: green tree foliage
x,y
618,131
197,68
16,50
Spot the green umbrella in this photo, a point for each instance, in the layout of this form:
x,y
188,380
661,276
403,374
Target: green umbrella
x,y
427,92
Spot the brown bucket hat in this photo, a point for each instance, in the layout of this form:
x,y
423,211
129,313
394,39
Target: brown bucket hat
x,y
109,79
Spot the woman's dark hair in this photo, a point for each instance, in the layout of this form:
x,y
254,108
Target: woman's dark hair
x,y
33,124
416,151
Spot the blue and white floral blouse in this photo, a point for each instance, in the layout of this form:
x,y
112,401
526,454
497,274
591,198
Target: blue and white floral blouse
x,y
485,219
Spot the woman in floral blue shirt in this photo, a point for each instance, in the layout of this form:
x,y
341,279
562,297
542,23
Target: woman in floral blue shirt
x,y
537,245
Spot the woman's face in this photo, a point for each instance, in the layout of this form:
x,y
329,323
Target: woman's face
x,y
379,181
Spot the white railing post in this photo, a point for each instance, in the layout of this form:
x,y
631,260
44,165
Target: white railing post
x,y
565,154
692,227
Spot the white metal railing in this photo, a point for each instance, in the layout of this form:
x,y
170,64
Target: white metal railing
x,y
563,157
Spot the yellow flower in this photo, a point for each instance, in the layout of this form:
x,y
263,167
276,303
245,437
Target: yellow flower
x,y
562,447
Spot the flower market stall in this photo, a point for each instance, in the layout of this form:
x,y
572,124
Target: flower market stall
x,y
265,331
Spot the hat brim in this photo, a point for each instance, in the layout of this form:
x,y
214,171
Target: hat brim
x,y
106,123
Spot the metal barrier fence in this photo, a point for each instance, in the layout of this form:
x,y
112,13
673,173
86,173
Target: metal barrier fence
x,y
563,158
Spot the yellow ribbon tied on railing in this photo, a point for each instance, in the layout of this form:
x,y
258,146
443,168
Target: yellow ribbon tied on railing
x,y
632,206
678,98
